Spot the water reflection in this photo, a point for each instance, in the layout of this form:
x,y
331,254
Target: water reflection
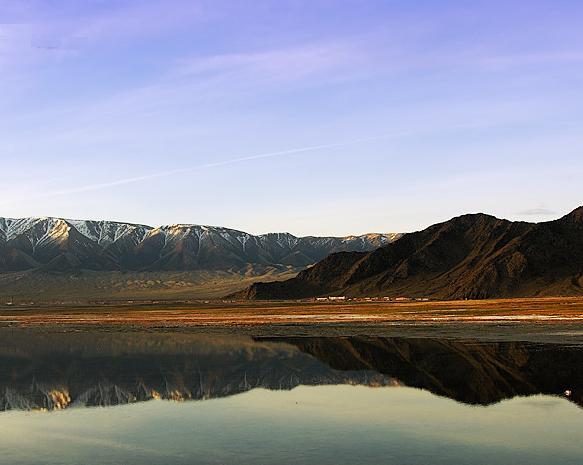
x,y
468,371
57,371
44,371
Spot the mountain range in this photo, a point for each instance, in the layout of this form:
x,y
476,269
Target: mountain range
x,y
468,257
56,244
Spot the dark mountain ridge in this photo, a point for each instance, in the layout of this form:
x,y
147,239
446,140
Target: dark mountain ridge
x,y
471,256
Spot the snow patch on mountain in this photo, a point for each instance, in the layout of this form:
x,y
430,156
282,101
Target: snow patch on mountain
x,y
107,232
114,245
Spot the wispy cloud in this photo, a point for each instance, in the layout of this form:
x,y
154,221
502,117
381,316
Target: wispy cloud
x,y
503,60
538,211
206,77
213,79
29,32
139,19
286,63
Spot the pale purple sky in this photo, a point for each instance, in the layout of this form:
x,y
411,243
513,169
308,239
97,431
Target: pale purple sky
x,y
313,117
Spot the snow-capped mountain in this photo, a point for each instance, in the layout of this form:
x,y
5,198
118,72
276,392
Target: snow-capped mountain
x,y
62,244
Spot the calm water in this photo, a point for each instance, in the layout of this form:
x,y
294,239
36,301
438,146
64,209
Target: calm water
x,y
154,398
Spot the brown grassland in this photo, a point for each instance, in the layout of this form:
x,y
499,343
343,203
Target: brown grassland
x,y
530,318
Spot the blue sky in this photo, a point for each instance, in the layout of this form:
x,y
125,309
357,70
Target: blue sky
x,y
313,117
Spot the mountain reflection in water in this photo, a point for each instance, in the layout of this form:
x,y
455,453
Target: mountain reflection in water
x,y
48,371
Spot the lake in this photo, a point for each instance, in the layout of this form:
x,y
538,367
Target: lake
x,y
180,398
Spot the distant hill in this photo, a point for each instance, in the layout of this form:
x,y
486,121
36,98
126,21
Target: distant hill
x,y
471,256
56,244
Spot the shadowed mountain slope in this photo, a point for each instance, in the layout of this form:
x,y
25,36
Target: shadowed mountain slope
x,y
471,256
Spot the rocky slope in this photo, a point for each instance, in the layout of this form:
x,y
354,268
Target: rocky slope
x,y
57,244
471,256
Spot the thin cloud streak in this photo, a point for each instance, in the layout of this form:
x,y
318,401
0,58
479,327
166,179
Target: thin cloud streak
x,y
281,153
539,211
161,174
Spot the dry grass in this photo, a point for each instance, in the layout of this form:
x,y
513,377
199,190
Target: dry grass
x,y
115,285
499,311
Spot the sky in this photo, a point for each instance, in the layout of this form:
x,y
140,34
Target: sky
x,y
316,117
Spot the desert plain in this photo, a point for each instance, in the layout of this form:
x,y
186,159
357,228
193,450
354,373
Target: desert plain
x,y
551,319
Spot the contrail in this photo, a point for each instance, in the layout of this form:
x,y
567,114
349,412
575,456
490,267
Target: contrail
x,y
161,174
281,153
